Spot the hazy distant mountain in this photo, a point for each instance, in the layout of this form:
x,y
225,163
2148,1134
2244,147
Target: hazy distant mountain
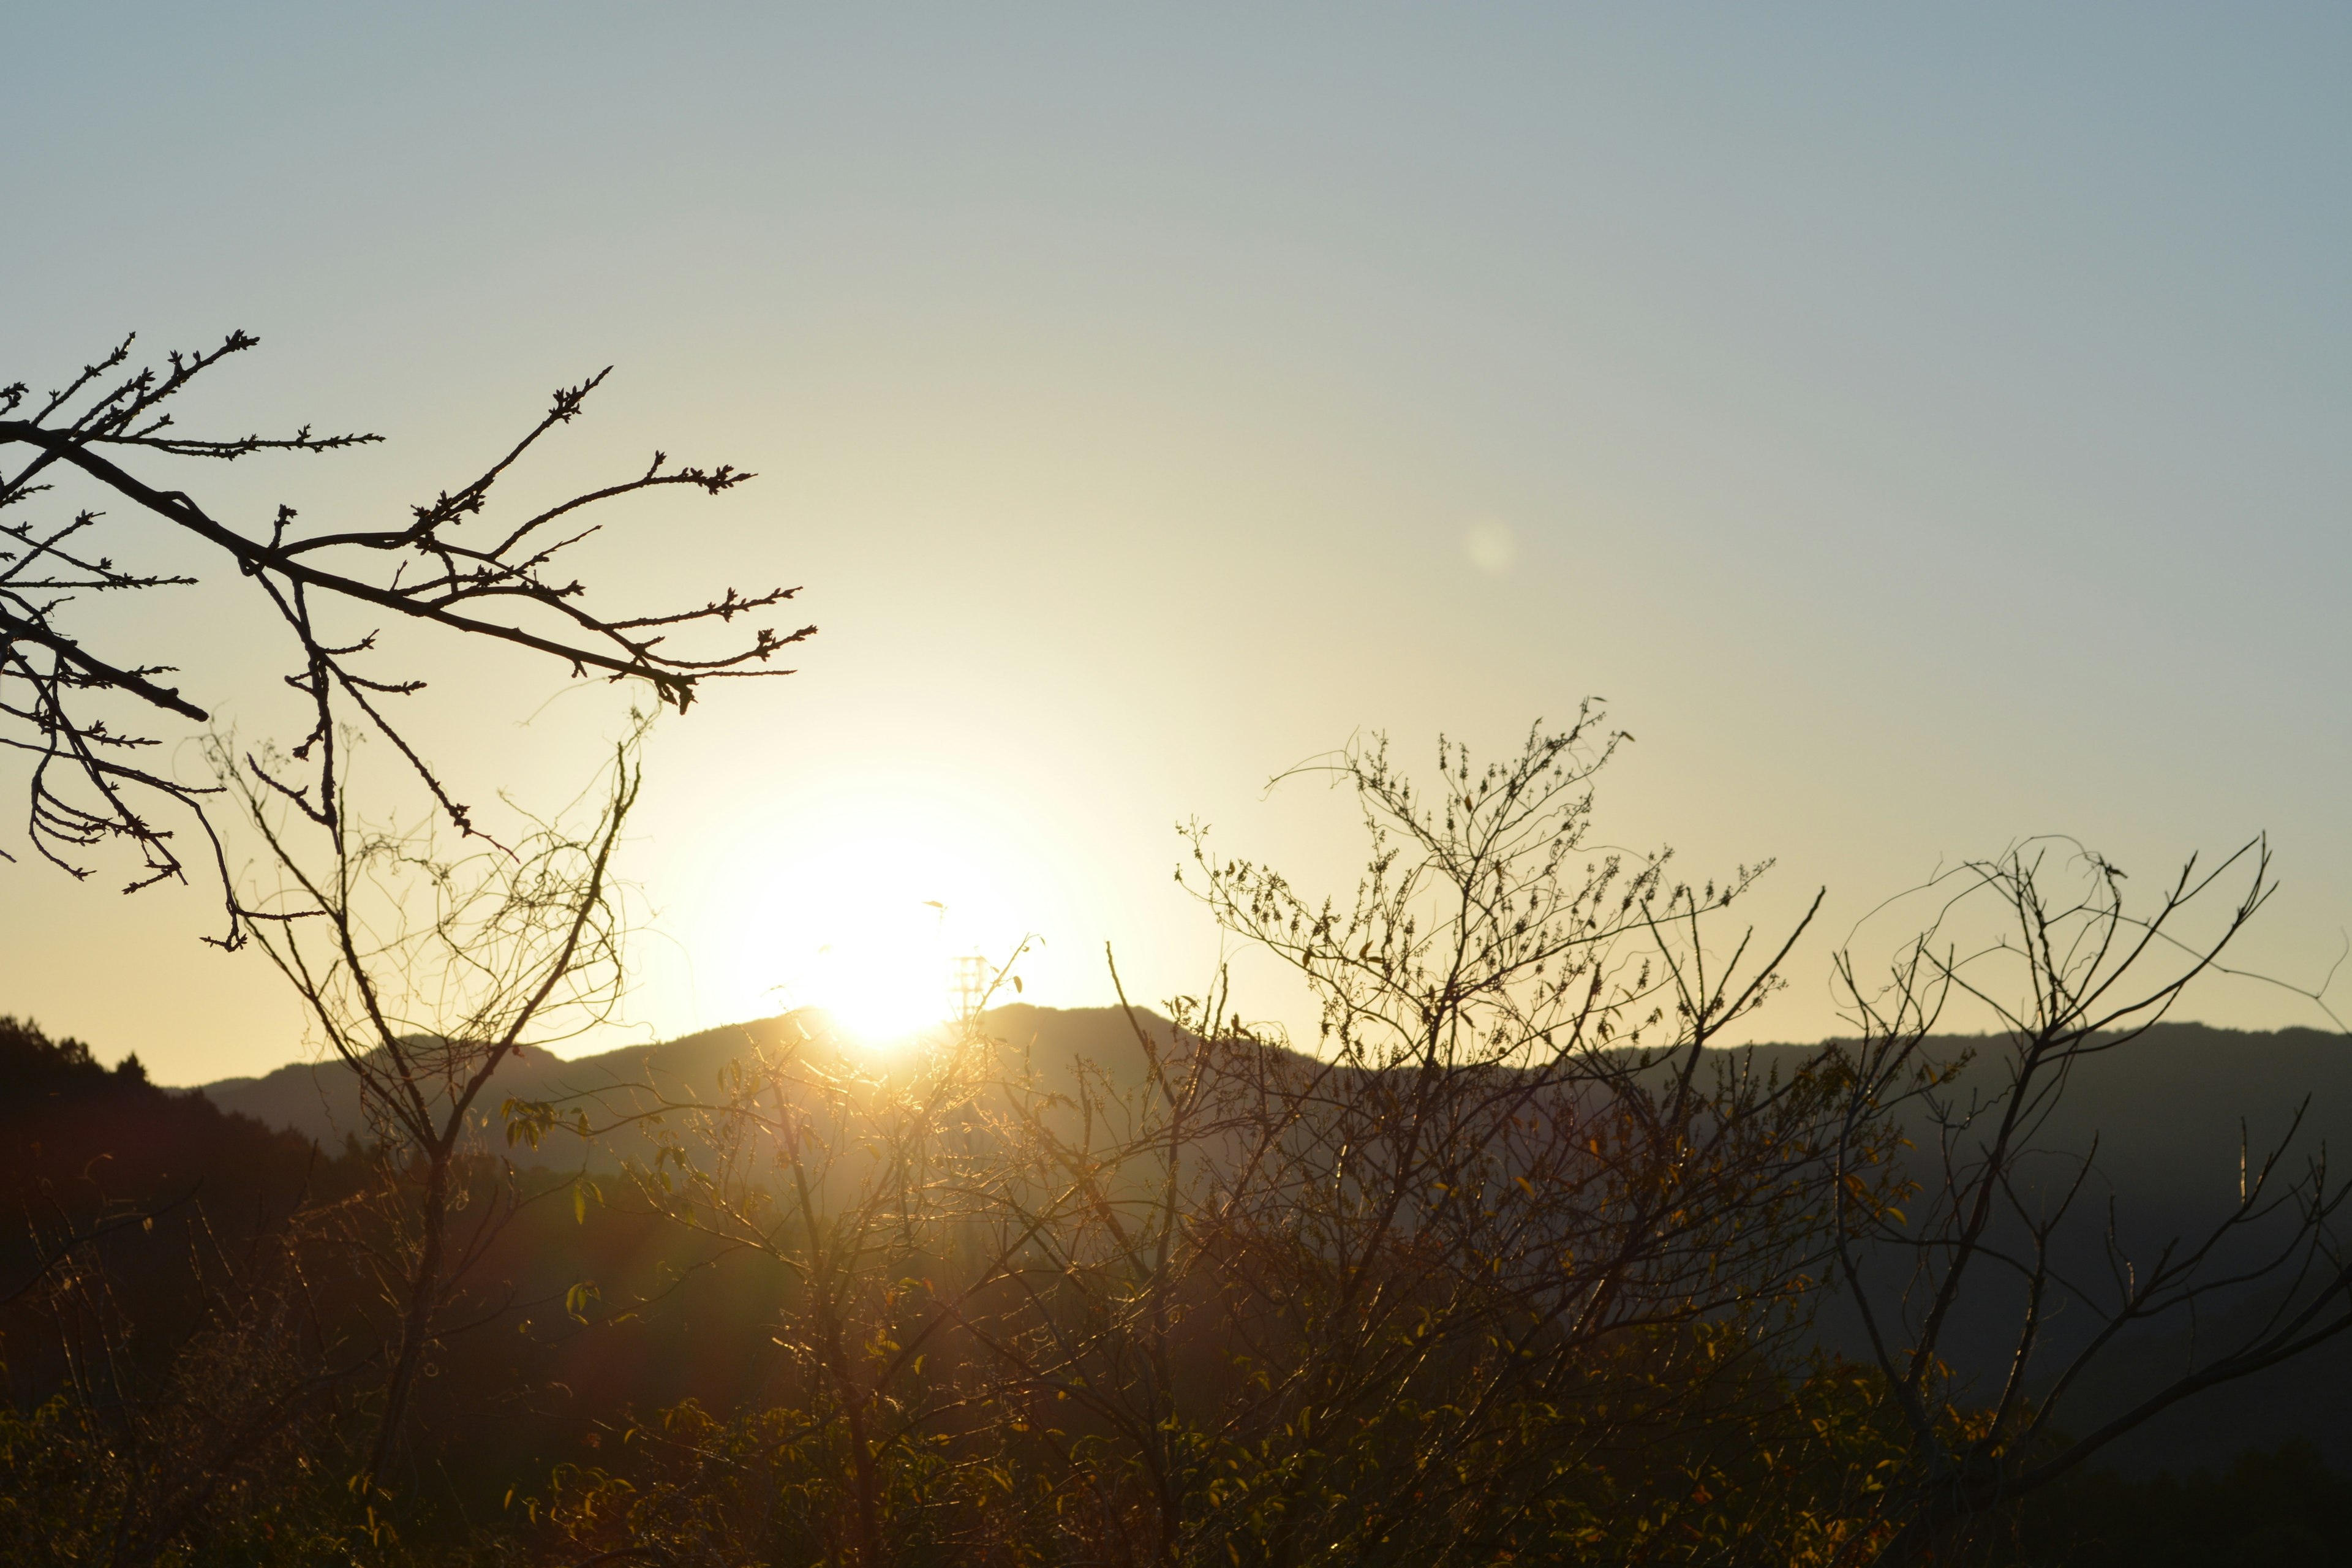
x,y
321,1100
2166,1113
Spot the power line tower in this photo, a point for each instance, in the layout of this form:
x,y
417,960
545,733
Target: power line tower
x,y
968,982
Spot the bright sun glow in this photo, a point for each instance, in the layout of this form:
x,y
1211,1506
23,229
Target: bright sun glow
x,y
861,895
875,929
884,974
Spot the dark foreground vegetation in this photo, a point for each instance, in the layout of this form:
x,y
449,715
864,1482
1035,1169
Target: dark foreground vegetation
x,y
1514,1264
623,1381
1511,1263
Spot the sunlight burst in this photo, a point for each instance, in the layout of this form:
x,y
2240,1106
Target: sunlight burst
x,y
885,980
877,927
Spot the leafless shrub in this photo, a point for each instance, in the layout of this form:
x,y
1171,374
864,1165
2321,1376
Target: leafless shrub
x,y
1375,1301
2071,971
423,974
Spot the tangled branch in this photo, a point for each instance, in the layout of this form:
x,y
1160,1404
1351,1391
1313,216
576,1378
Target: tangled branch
x,y
77,712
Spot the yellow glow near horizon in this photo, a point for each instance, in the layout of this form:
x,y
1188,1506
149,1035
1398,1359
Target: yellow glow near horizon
x,y
870,926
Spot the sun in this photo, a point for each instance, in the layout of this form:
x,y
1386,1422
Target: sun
x,y
885,977
866,899
871,928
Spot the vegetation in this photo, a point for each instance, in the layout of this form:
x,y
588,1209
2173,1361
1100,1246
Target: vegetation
x,y
1514,1261
1513,1265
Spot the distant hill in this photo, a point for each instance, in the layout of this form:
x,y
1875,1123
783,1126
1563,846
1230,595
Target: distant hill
x,y
147,1175
2167,1115
321,1100
76,1135
2166,1112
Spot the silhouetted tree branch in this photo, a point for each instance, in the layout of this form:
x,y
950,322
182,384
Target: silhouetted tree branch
x,y
77,714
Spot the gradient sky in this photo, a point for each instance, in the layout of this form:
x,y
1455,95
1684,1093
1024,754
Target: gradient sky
x,y
1927,428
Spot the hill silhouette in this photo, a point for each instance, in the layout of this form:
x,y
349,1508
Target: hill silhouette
x,y
2167,1115
2167,1118
320,1101
81,1144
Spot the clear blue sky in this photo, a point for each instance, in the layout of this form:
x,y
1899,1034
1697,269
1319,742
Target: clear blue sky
x,y
1926,426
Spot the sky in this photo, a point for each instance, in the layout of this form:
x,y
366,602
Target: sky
x,y
1924,428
